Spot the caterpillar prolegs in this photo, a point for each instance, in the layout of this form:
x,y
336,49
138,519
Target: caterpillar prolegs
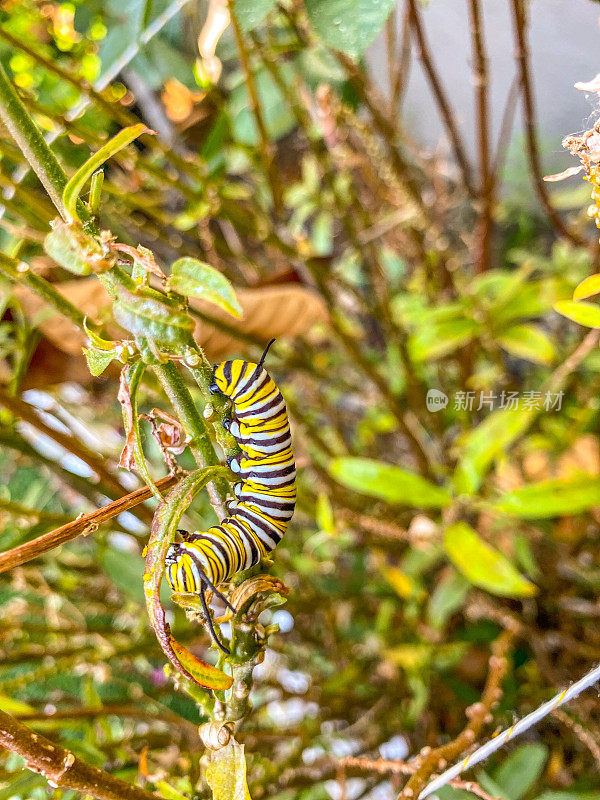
x,y
265,495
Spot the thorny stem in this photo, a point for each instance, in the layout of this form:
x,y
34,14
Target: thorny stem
x,y
486,173
531,137
63,769
440,97
84,524
31,142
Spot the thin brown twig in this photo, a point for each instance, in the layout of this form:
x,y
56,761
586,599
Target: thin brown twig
x,y
584,736
486,174
403,768
442,101
429,761
61,768
531,136
402,69
71,444
82,525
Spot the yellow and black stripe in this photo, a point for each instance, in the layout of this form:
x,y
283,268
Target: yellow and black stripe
x,y
265,495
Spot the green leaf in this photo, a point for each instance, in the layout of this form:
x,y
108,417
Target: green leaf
x,y
519,772
196,279
348,25
73,188
278,118
447,597
483,565
484,443
74,249
553,498
528,342
226,773
432,340
386,482
587,288
98,360
250,13
147,317
583,313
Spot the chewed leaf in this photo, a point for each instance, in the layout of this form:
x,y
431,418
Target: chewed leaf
x,y
194,278
253,586
566,173
204,674
483,565
97,360
226,773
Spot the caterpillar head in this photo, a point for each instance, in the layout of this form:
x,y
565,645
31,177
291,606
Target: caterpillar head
x,y
230,376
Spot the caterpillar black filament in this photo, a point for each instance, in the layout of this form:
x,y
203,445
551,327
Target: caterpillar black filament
x,y
265,495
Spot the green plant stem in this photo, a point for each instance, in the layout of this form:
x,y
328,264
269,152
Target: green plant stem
x,y
265,146
20,272
31,142
195,427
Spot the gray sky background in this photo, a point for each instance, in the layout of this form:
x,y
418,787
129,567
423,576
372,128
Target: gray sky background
x,y
565,48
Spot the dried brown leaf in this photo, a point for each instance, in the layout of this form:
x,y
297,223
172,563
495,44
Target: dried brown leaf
x,y
566,173
284,310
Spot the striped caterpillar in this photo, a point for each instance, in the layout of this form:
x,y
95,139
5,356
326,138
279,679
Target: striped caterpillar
x,y
265,495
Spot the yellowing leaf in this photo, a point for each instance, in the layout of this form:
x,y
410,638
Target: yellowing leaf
x,y
483,565
11,706
226,773
194,278
587,288
399,581
583,313
204,674
268,312
387,482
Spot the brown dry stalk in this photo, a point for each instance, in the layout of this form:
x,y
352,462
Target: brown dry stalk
x,y
531,136
440,97
486,173
83,524
403,768
63,769
429,761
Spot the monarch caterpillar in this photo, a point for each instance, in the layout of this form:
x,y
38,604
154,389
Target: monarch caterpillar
x,y
265,495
